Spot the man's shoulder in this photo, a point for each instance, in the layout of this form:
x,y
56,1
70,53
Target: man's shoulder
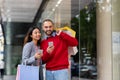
x,y
43,41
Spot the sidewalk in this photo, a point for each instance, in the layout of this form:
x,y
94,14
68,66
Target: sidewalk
x,y
9,77
12,77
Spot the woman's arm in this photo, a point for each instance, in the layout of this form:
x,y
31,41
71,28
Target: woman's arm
x,y
26,54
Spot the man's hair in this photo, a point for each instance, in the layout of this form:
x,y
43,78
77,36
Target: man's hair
x,y
49,20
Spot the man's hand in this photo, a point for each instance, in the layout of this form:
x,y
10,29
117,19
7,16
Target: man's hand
x,y
50,49
58,32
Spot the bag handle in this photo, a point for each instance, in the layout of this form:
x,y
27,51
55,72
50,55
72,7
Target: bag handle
x,y
24,63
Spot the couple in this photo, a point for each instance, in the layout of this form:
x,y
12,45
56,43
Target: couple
x,y
55,54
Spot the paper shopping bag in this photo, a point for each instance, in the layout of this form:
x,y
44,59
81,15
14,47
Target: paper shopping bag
x,y
25,72
72,50
71,32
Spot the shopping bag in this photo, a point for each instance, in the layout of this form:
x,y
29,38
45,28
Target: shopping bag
x,y
69,31
72,50
25,72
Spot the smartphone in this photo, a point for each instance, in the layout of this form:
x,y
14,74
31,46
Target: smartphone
x,y
40,51
50,43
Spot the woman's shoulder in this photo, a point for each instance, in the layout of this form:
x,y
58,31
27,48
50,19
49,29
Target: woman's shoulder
x,y
28,44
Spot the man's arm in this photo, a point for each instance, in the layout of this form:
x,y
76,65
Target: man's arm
x,y
71,41
46,53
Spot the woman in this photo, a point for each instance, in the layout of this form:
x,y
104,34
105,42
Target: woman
x,y
30,53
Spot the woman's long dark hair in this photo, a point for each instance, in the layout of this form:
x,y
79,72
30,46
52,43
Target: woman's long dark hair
x,y
28,35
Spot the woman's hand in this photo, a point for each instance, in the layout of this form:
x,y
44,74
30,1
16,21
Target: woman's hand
x,y
38,55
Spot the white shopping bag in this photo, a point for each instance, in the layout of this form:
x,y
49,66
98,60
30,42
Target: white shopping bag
x,y
25,72
69,31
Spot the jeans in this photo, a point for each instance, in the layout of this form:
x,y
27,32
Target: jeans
x,y
57,74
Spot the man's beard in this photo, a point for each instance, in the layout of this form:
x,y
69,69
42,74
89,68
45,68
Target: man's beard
x,y
49,32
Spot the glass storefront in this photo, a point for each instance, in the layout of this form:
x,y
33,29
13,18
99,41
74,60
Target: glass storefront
x,y
116,39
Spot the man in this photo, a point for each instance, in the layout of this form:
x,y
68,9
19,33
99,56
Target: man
x,y
55,51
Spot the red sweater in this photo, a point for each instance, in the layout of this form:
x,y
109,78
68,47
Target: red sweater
x,y
58,59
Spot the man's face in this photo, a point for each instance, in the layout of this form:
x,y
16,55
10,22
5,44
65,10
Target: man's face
x,y
48,27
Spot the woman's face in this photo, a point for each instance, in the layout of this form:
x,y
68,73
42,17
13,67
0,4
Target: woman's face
x,y
36,34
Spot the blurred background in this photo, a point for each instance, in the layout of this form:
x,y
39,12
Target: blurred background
x,y
96,23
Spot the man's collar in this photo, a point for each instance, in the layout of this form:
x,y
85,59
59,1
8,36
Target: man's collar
x,y
46,36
